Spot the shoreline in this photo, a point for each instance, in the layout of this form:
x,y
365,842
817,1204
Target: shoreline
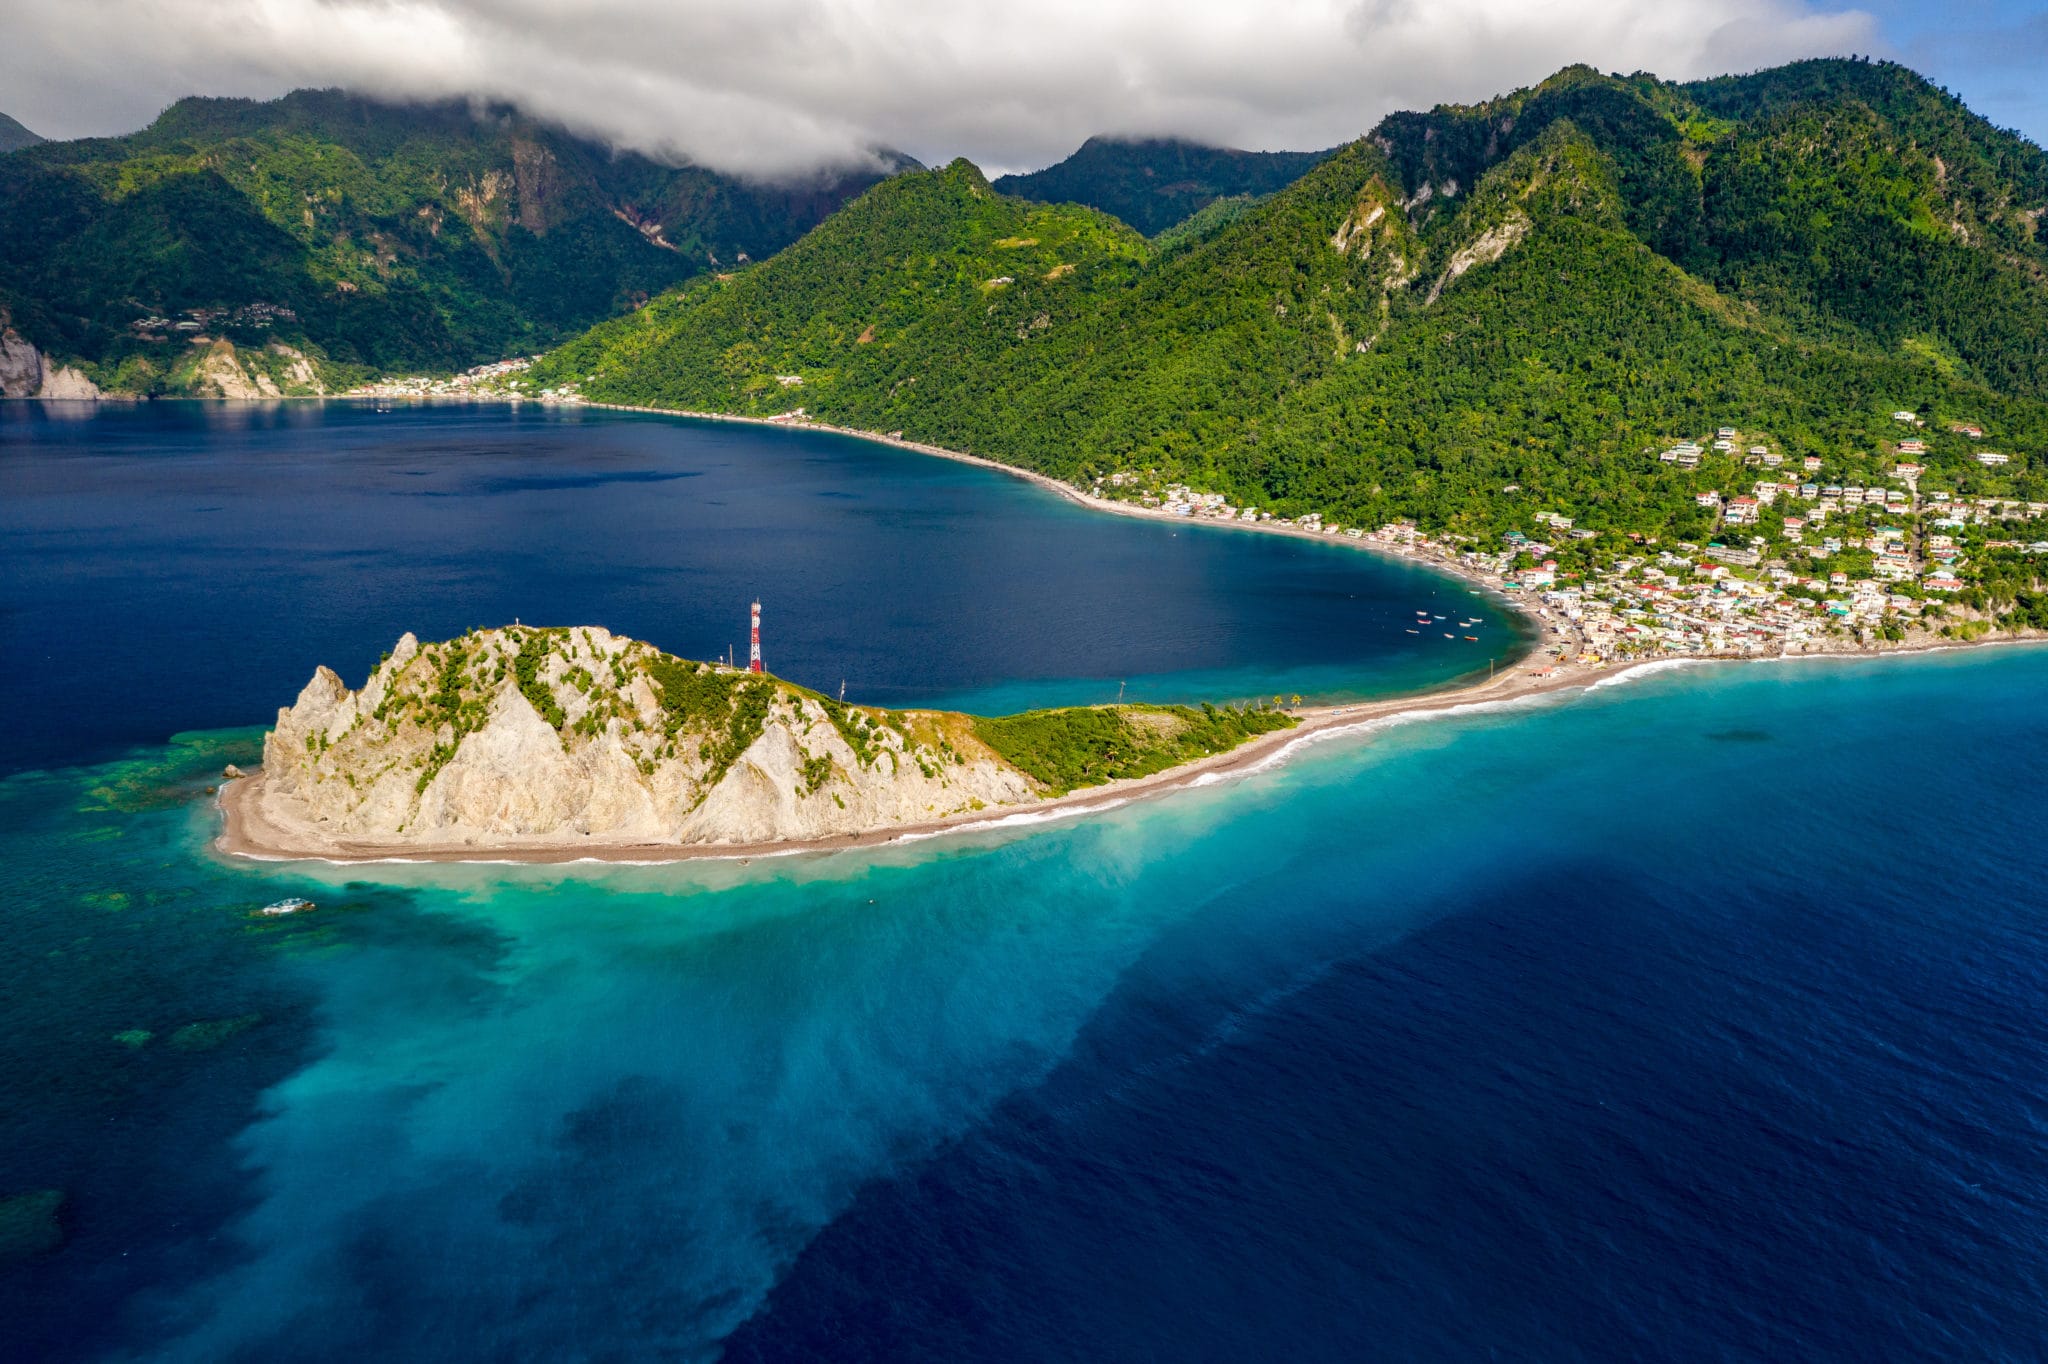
x,y
1524,675
1069,493
1066,491
241,836
245,834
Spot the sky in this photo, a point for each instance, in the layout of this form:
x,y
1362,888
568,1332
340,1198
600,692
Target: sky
x,y
776,88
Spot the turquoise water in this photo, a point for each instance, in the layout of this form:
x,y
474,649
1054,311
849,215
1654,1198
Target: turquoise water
x,y
1698,1017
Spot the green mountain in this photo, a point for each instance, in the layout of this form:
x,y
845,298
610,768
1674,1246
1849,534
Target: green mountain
x,y
372,235
13,136
1467,316
1153,183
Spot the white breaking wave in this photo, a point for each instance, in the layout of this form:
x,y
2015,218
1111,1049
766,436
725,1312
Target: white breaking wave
x,y
1646,669
587,861
1022,819
1300,743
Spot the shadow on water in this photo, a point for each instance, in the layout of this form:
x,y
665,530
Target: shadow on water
x,y
145,1013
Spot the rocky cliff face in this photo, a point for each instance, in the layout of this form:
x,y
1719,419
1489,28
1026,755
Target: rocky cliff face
x,y
277,371
524,737
25,374
221,376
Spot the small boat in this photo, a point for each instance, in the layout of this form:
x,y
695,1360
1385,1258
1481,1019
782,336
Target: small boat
x,y
291,905
1473,638
1450,636
1415,632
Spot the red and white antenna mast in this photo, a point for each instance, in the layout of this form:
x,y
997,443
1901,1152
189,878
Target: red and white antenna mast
x,y
754,649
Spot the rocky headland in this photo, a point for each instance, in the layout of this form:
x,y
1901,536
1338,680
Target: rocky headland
x,y
557,741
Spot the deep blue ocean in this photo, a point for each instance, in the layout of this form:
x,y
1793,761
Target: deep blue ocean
x,y
185,565
1698,1017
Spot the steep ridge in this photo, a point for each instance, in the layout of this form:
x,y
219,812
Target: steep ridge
x,y
1461,313
1155,183
906,286
366,235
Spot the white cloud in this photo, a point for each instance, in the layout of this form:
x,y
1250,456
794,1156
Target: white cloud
x,y
778,86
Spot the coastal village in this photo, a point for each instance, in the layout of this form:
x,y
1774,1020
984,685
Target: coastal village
x,y
1804,558
499,380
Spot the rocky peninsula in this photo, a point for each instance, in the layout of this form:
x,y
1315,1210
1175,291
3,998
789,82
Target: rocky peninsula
x,y
551,743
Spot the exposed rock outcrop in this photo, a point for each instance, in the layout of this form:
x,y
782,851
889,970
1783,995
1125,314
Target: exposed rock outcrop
x,y
1490,246
520,738
221,376
25,373
299,375
21,366
67,382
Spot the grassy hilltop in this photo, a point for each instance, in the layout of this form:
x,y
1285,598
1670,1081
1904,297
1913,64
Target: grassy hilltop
x,y
1467,313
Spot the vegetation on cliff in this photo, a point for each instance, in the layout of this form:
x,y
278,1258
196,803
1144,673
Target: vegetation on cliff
x,y
369,235
528,734
1470,313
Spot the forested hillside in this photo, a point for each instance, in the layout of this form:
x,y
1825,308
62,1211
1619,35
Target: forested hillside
x,y
373,236
1154,183
1467,313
